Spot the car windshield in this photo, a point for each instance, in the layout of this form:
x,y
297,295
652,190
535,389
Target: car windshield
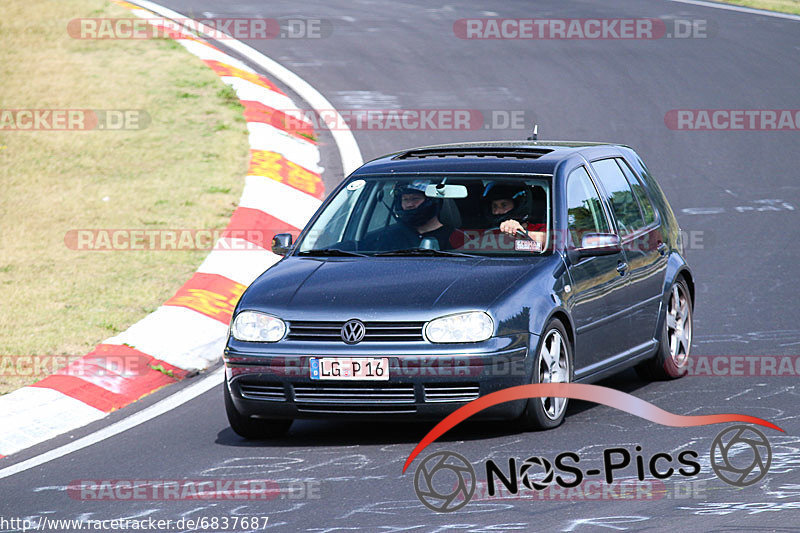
x,y
434,216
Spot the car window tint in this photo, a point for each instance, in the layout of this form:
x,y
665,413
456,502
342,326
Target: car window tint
x,y
584,209
638,190
620,196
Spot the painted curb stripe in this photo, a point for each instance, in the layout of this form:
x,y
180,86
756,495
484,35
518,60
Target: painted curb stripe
x,y
177,335
302,152
111,377
274,166
232,264
295,124
209,294
247,91
243,221
281,200
207,52
225,70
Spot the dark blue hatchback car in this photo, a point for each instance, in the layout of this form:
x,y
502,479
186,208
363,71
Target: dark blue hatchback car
x,y
433,276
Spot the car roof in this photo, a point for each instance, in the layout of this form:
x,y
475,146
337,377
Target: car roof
x,y
536,157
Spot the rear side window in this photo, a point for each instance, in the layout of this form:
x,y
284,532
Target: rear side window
x,y
638,190
584,209
620,196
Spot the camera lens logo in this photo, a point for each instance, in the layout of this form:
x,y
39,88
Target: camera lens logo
x,y
740,455
448,472
542,463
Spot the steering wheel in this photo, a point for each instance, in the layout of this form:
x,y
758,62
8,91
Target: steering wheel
x,y
519,233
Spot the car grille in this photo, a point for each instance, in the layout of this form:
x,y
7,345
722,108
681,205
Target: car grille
x,y
451,392
359,398
374,331
346,394
257,391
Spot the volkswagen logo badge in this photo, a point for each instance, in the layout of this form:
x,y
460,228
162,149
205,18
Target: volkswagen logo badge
x,y
353,331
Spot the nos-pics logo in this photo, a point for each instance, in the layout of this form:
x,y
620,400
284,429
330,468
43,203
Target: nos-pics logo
x,y
445,481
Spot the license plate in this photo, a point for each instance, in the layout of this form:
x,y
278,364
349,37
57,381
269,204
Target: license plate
x,y
354,368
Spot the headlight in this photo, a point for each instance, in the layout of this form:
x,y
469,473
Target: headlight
x,y
465,327
257,327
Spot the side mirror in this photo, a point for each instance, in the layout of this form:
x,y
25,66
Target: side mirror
x,y
599,244
281,243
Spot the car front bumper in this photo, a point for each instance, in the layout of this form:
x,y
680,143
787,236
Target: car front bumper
x,y
426,381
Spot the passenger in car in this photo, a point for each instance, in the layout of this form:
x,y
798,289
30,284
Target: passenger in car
x,y
508,207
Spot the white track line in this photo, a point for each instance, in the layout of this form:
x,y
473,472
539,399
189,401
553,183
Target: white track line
x,y
165,405
740,9
349,152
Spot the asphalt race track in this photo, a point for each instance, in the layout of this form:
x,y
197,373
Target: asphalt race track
x,y
736,194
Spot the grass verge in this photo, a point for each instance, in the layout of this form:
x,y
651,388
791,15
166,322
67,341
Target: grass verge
x,y
783,6
183,171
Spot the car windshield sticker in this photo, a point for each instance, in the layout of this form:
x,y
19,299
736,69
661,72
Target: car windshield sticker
x,y
524,245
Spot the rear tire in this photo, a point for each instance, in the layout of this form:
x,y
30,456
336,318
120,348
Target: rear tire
x,y
252,428
671,361
553,364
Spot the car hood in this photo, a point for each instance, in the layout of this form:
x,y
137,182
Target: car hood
x,y
396,288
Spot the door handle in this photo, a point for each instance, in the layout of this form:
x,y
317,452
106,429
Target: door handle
x,y
621,268
662,248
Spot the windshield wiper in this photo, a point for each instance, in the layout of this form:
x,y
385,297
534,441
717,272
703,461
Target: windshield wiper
x,y
423,251
330,252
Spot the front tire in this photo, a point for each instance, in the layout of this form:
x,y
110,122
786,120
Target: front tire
x,y
252,428
553,364
671,361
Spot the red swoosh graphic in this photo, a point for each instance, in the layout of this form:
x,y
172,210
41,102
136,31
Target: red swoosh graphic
x,y
578,391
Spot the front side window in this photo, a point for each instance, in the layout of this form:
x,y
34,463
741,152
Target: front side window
x,y
619,195
584,209
399,215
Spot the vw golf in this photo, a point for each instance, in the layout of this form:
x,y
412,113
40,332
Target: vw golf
x,y
436,275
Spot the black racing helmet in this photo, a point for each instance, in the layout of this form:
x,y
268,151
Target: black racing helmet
x,y
519,194
429,208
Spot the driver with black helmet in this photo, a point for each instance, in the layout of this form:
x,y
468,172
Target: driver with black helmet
x,y
418,218
508,207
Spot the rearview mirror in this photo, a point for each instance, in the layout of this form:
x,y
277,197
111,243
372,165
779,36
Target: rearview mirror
x,y
429,243
599,244
281,243
446,191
